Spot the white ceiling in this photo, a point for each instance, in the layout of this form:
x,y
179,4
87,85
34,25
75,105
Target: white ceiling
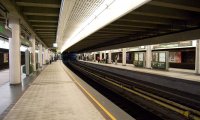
x,y
73,13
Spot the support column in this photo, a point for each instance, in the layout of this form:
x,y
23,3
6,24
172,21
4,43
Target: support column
x,y
148,56
53,55
197,58
27,61
100,55
47,56
40,55
123,56
43,56
109,57
94,57
33,61
14,52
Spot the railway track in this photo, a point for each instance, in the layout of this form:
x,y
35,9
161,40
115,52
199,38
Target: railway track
x,y
141,94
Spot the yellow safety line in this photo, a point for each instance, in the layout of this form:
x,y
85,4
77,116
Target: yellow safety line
x,y
93,98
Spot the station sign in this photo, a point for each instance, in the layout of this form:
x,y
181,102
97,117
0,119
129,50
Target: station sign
x,y
5,32
172,45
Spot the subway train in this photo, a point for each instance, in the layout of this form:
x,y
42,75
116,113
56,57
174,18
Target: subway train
x,y
66,56
4,58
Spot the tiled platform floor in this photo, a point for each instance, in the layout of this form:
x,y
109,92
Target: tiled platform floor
x,y
176,73
53,96
9,94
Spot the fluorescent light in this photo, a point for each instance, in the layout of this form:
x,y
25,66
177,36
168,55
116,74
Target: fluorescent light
x,y
55,45
194,43
4,44
109,11
23,48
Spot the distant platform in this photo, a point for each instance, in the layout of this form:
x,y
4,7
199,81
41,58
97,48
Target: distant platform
x,y
172,72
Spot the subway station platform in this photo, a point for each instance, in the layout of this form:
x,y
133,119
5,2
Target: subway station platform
x,y
53,95
172,72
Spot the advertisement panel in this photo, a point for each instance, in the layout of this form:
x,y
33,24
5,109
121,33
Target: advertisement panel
x,y
162,57
155,56
141,56
175,57
5,57
136,57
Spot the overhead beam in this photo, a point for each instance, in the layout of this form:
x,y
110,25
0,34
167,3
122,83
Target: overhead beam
x,y
149,19
49,41
134,26
46,18
102,37
41,14
38,29
48,37
157,21
181,36
143,17
46,5
46,32
174,5
54,26
102,33
45,21
143,25
50,30
147,26
162,12
144,21
112,32
127,27
158,15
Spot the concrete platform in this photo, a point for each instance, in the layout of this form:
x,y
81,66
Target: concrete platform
x,y
54,96
172,72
